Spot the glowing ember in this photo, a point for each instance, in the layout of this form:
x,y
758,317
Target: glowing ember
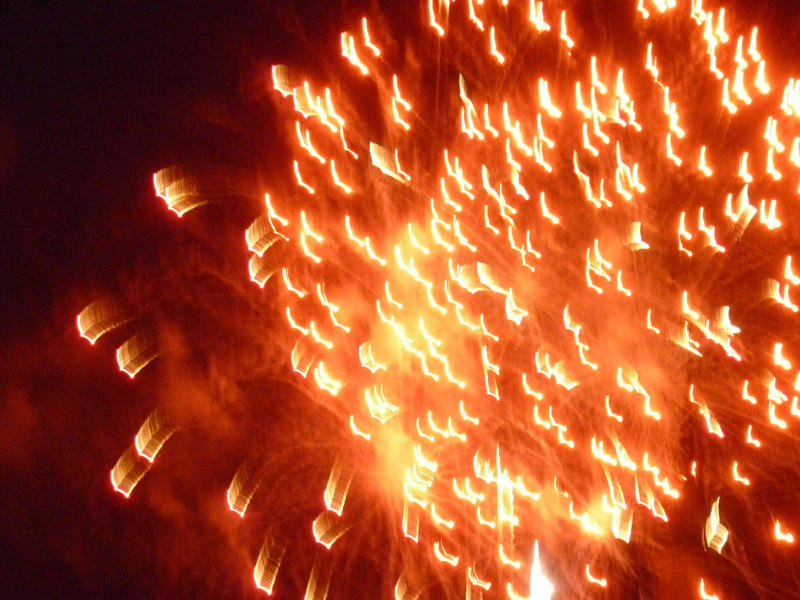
x,y
547,291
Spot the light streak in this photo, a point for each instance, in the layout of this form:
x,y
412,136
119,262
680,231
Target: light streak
x,y
751,439
127,473
300,181
597,581
540,587
337,181
704,594
289,287
136,353
443,555
325,381
737,476
781,535
265,572
367,41
100,317
349,52
152,435
432,16
476,580
241,489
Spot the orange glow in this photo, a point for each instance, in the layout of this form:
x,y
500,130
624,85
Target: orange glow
x,y
528,296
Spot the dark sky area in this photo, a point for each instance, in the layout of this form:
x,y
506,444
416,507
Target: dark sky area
x,y
95,97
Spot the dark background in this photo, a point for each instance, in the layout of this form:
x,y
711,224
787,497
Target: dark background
x,y
95,97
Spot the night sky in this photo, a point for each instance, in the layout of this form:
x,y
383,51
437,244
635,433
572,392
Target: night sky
x,y
95,98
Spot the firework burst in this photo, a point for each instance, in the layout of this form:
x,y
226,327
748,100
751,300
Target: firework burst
x,y
529,273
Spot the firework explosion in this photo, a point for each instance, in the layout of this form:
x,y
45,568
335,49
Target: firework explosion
x,y
541,282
